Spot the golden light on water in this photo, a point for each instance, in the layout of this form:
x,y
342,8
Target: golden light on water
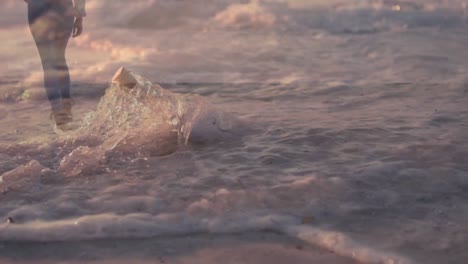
x,y
396,8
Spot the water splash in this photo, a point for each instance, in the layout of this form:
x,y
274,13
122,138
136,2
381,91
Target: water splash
x,y
137,115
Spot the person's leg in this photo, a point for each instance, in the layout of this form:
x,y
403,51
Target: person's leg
x,y
51,23
56,73
56,76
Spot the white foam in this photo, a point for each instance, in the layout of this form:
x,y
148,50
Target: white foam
x,y
343,245
146,226
136,226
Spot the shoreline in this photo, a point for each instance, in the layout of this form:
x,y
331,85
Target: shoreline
x,y
252,247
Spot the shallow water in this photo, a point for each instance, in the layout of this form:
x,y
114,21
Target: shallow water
x,y
360,144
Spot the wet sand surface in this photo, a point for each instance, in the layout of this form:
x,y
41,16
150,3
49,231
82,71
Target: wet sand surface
x,y
256,247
